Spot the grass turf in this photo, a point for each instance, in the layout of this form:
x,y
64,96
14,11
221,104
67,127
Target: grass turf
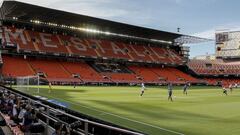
x,y
205,111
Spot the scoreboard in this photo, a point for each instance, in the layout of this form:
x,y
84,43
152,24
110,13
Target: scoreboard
x,y
228,44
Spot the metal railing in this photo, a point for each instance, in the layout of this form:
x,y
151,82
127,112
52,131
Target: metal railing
x,y
85,122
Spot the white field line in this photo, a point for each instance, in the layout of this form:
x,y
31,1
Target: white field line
x,y
90,108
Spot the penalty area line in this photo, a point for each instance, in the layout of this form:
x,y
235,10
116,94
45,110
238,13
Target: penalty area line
x,y
103,112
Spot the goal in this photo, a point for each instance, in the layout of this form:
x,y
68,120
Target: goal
x,y
27,81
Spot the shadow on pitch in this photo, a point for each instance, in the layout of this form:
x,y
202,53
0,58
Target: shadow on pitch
x,y
62,91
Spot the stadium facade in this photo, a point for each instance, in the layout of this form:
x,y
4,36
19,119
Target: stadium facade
x,y
54,44
65,49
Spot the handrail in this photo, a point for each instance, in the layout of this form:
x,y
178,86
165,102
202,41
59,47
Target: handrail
x,y
77,118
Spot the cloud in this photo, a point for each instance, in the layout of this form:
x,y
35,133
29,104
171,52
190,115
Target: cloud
x,y
96,8
210,33
117,10
99,8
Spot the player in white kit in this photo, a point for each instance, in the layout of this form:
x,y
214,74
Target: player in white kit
x,y
142,89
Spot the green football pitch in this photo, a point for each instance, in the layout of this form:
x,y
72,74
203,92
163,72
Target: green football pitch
x,y
204,111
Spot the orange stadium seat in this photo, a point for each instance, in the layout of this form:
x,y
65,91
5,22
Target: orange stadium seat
x,y
173,75
86,73
181,74
164,73
157,74
147,75
223,81
117,52
123,77
214,67
27,40
53,70
16,67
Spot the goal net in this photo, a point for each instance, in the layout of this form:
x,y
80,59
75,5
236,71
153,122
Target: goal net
x,y
27,81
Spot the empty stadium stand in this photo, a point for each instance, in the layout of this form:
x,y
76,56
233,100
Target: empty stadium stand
x,y
123,77
216,72
222,81
214,67
116,72
27,44
162,75
53,70
181,75
85,72
145,73
16,67
110,67
32,41
69,49
58,71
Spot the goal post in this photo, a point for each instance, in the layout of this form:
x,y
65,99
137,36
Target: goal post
x,y
27,81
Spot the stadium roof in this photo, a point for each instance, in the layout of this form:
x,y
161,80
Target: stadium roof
x,y
27,12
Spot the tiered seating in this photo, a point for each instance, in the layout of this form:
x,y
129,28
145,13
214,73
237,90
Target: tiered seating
x,y
86,73
145,73
173,75
54,71
112,49
214,67
78,46
181,74
23,41
123,77
140,53
223,81
45,42
110,68
164,75
27,40
16,67
167,55
116,72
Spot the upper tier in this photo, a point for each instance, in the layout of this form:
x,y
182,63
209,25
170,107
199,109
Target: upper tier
x,y
214,67
27,40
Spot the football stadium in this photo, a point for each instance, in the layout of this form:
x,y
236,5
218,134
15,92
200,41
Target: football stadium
x,y
70,74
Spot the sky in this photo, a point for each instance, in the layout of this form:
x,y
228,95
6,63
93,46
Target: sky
x,y
195,17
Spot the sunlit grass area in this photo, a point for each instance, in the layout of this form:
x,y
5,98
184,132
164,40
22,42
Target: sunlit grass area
x,y
204,111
